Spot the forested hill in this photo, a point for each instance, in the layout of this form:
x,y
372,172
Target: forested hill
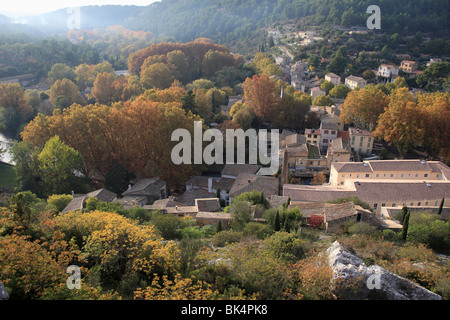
x,y
227,20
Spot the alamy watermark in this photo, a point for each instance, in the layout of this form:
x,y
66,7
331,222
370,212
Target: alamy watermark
x,y
258,147
74,20
74,280
374,21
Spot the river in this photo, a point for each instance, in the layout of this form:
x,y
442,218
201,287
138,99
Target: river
x,y
5,144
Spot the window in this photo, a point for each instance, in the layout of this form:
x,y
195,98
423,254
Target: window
x,y
367,151
412,203
383,204
315,136
416,175
426,203
370,139
357,175
309,136
402,175
367,175
343,175
419,203
325,132
342,182
333,132
377,175
325,140
392,175
394,204
437,175
409,175
425,175
375,206
436,203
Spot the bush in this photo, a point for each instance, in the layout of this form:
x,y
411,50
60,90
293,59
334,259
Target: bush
x,y
257,230
168,225
222,238
435,235
59,201
285,246
362,228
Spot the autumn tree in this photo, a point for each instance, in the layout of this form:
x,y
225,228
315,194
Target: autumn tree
x,y
64,93
401,124
435,113
363,107
157,75
107,88
260,93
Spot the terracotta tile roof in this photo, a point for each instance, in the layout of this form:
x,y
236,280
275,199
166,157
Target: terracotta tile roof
x,y
331,211
213,215
188,197
102,195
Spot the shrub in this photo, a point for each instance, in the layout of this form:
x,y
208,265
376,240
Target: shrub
x,y
285,246
257,230
222,238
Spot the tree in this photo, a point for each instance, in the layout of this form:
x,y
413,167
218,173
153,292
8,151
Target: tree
x,y
401,124
60,71
241,212
363,107
261,94
405,225
369,76
441,205
327,86
339,91
107,88
321,100
59,201
339,61
64,93
276,223
434,111
14,108
435,77
59,165
25,156
244,117
157,75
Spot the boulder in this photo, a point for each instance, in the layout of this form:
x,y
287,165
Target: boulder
x,y
353,280
3,293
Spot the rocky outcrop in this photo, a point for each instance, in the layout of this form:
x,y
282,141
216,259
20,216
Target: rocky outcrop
x,y
353,280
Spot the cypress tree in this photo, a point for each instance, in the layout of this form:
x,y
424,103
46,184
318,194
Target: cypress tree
x,y
276,226
403,214
405,225
441,206
219,226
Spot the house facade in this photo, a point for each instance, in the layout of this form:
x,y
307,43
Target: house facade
x,y
353,82
334,78
361,140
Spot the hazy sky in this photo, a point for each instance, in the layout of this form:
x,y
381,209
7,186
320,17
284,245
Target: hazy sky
x,y
26,7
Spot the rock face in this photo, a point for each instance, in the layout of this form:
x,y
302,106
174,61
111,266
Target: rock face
x,y
353,280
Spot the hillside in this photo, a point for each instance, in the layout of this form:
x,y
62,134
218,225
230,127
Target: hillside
x,y
228,20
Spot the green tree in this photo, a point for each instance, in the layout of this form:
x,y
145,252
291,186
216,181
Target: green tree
x,y
60,71
241,213
405,225
339,91
276,222
441,205
59,165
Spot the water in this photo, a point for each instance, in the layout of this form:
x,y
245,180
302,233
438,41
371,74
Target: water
x,y
5,144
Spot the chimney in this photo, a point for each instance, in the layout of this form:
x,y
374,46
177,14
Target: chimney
x,y
129,187
210,185
73,193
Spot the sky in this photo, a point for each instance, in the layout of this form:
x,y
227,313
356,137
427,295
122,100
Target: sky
x,y
15,8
